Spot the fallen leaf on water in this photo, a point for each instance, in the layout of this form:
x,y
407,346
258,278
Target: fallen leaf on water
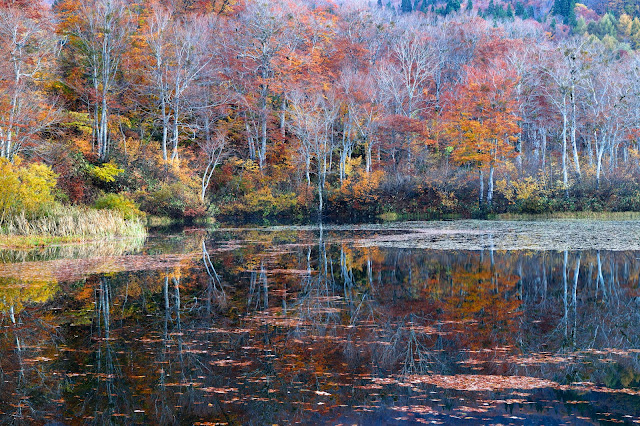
x,y
473,382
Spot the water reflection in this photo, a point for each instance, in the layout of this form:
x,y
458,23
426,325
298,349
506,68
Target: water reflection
x,y
302,325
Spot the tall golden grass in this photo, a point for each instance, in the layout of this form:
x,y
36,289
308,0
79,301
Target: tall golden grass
x,y
78,222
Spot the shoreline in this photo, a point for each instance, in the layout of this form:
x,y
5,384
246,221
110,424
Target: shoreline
x,y
29,242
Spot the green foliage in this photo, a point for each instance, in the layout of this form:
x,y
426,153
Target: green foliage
x,y
450,7
500,12
25,190
120,203
581,26
566,9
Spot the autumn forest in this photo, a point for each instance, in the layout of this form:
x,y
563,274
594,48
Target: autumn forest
x,y
254,109
319,212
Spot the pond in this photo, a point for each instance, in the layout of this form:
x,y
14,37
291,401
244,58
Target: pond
x,y
474,322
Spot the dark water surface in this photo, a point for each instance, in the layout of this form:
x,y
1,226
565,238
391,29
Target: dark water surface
x,y
416,323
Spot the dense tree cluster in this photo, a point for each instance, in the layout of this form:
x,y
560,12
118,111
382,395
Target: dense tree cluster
x,y
283,107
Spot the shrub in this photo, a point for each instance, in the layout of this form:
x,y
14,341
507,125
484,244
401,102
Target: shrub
x,y
119,203
264,201
525,196
175,200
26,190
359,191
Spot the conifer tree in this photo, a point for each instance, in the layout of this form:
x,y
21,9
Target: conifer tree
x,y
566,9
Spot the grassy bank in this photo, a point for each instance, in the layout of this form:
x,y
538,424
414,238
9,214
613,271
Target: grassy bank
x,y
68,224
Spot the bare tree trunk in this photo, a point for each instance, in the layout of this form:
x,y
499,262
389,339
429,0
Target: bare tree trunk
x,y
576,159
104,129
543,159
481,195
165,127
175,136
600,148
565,176
490,186
262,154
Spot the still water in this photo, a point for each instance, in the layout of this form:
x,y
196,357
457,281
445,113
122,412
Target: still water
x,y
410,323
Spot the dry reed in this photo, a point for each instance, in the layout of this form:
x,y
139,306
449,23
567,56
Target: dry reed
x,y
77,222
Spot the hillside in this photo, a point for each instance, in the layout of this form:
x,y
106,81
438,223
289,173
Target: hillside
x,y
254,109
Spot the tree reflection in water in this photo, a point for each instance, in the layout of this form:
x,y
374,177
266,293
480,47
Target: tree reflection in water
x,y
289,325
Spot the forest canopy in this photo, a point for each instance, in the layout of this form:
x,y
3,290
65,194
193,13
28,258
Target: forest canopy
x,y
255,108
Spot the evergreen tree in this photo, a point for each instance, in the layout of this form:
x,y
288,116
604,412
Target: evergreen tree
x,y
581,26
608,25
452,6
560,7
491,8
469,7
380,4
531,13
571,18
566,9
520,9
406,6
635,33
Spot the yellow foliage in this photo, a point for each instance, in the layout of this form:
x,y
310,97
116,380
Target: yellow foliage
x,y
352,164
634,154
25,189
15,294
448,200
360,187
247,165
263,200
106,172
120,203
528,193
519,190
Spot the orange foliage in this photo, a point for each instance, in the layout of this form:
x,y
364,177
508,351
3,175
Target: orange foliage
x,y
481,126
359,189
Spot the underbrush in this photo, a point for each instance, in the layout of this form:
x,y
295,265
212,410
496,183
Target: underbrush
x,y
30,215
